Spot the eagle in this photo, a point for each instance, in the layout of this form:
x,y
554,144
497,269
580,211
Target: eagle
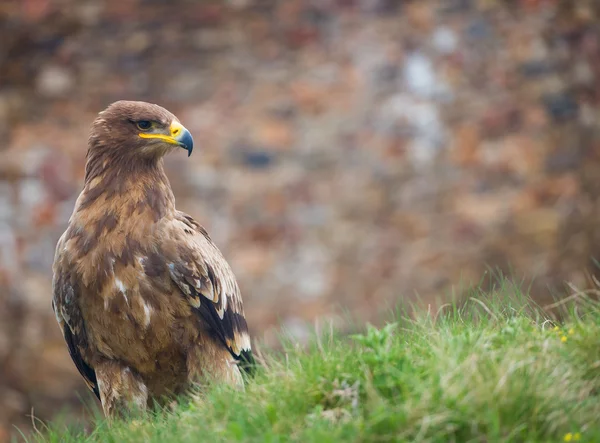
x,y
146,302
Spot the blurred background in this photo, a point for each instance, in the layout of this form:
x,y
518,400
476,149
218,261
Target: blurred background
x,y
350,153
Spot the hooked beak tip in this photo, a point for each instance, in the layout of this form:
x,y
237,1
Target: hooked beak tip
x,y
185,141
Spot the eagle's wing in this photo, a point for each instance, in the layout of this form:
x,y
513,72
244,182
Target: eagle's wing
x,y
68,315
206,280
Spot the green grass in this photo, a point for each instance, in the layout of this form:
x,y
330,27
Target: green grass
x,y
493,369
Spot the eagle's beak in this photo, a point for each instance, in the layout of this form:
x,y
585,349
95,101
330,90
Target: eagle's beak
x,y
182,136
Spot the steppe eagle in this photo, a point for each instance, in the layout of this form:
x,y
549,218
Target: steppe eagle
x,y
146,302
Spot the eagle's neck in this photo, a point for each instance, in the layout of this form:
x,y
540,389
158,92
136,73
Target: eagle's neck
x,y
128,189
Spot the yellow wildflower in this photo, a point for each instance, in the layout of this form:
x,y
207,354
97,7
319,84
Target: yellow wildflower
x,y
556,328
572,437
571,331
563,338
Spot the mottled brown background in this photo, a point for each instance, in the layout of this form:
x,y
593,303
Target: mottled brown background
x,y
350,153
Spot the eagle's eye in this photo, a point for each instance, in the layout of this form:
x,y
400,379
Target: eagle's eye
x,y
144,125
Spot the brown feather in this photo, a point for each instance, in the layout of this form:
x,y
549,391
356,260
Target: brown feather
x,y
147,303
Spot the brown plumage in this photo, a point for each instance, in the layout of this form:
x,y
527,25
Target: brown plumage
x,y
146,302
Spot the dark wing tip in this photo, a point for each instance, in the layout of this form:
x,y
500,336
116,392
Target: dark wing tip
x,y
84,369
247,363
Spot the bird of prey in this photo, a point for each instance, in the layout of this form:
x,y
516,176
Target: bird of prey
x,y
146,302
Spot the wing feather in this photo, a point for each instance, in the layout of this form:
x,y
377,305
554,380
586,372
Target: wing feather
x,y
204,276
70,321
88,374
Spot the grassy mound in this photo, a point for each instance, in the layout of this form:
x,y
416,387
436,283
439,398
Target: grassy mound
x,y
494,369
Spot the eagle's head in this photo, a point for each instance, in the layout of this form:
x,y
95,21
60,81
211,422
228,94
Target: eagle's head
x,y
138,130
